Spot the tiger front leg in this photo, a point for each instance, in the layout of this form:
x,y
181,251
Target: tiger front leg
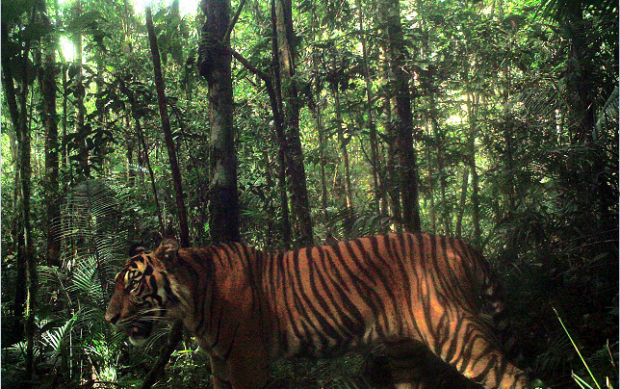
x,y
219,370
249,365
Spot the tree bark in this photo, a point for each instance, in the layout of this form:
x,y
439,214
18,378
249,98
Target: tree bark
x,y
163,111
374,149
348,191
25,236
18,228
439,144
472,102
275,102
579,74
389,185
49,119
464,185
175,336
405,157
315,106
300,205
80,94
215,67
593,190
136,118
431,179
316,110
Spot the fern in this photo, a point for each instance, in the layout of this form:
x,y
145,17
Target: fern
x,y
93,234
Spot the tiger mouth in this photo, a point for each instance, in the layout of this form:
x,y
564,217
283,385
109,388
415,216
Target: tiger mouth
x,y
139,332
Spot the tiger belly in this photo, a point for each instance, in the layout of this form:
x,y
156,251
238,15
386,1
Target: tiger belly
x,y
302,338
309,325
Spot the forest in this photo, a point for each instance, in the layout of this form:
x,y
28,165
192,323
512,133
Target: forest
x,y
286,124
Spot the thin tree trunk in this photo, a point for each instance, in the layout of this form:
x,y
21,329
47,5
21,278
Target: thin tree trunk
x,y
439,144
26,233
84,164
270,210
61,67
405,158
175,336
163,111
592,189
316,110
374,150
47,85
64,161
300,205
390,184
475,197
215,67
275,102
431,180
459,219
177,329
136,118
345,154
18,228
99,152
315,107
579,71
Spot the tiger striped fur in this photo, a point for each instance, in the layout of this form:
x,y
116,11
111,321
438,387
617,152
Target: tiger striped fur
x,y
247,308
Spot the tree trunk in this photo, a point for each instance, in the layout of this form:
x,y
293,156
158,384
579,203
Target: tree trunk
x,y
276,108
405,158
593,190
316,110
25,236
136,118
431,180
459,219
163,111
64,158
579,74
389,186
80,94
348,191
472,102
439,144
270,211
49,119
374,149
315,104
18,228
215,67
300,205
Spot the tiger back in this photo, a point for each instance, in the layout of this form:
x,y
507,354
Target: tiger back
x,y
246,308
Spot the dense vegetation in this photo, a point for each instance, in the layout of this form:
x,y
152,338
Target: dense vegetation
x,y
495,121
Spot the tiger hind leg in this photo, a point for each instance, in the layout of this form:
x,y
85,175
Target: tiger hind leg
x,y
473,352
414,366
405,359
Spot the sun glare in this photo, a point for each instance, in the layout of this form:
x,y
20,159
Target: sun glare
x,y
67,48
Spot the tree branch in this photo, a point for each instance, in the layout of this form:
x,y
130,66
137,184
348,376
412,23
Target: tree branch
x,y
233,22
176,333
249,66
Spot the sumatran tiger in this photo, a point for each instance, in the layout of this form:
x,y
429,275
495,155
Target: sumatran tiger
x,y
248,308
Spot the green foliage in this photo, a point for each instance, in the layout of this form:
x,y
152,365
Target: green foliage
x,y
493,84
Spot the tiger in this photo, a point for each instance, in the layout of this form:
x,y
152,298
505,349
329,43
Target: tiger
x,y
404,292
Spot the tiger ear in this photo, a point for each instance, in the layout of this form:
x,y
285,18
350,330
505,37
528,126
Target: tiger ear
x,y
167,250
136,249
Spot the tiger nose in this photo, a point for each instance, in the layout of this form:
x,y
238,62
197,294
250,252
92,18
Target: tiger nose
x,y
112,317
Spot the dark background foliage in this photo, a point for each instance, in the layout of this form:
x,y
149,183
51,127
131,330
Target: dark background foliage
x,y
515,133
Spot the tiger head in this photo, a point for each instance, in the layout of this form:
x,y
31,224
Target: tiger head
x,y
144,292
